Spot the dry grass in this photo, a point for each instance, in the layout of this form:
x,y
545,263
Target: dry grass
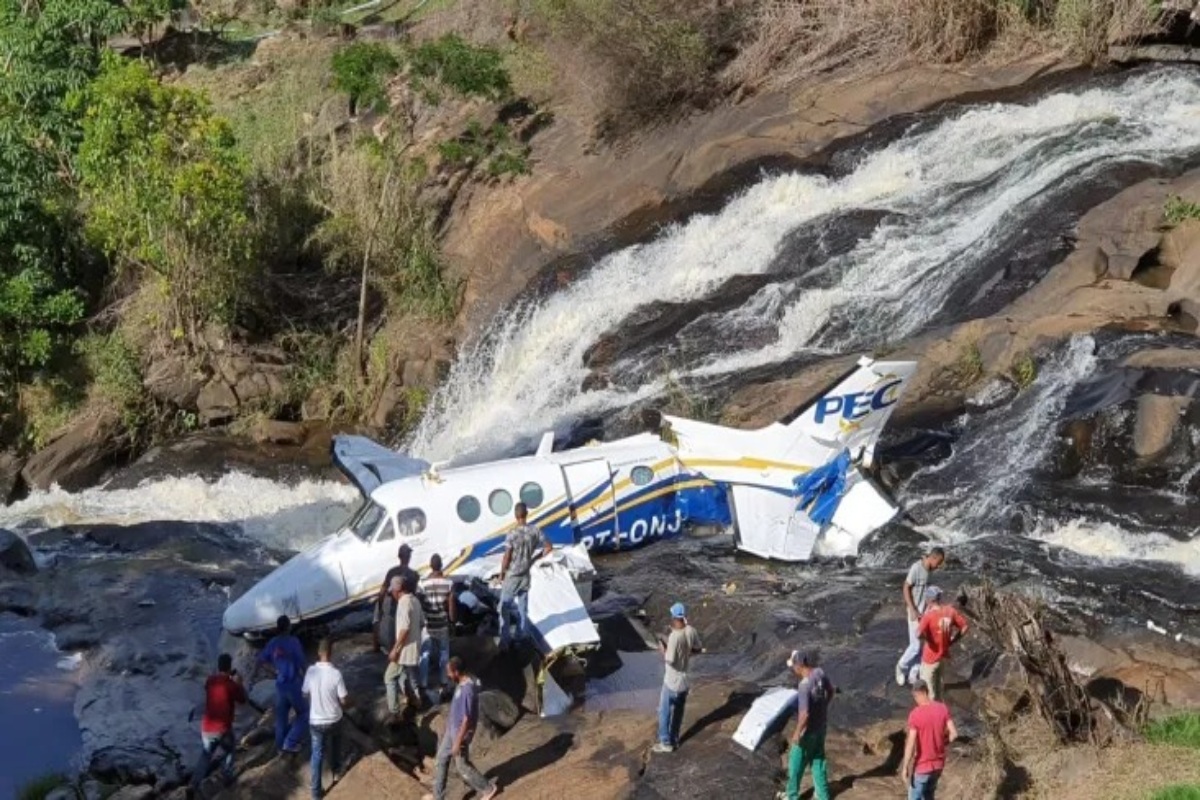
x,y
795,39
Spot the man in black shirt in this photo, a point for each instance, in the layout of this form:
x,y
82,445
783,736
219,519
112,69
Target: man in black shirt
x,y
384,604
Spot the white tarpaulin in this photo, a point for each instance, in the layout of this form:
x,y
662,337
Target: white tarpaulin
x,y
555,607
762,715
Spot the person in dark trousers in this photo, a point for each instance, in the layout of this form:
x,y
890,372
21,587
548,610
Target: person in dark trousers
x,y
437,601
455,743
326,692
523,545
402,676
929,729
808,739
385,605
913,592
682,643
284,655
223,692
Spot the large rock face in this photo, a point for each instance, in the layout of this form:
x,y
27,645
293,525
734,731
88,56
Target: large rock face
x,y
78,457
14,554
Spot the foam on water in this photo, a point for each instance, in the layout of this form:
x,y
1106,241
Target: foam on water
x,y
957,190
1109,542
273,513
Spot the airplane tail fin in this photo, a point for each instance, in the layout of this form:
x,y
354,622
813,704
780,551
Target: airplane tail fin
x,y
852,412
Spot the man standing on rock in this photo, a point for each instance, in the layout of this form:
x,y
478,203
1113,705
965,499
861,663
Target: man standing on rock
x,y
284,655
521,549
808,739
405,657
326,692
913,591
456,740
385,604
437,601
677,651
222,693
941,626
929,729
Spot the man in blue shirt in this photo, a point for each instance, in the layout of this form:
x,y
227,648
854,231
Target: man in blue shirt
x,y
456,741
284,655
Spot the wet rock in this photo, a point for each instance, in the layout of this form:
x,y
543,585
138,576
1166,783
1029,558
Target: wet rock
x,y
10,476
174,380
993,394
15,555
1156,421
62,793
78,457
133,793
280,432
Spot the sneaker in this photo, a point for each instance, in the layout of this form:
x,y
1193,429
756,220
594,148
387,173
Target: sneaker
x,y
661,747
495,790
900,681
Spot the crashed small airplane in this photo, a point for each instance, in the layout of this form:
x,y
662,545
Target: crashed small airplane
x,y
778,489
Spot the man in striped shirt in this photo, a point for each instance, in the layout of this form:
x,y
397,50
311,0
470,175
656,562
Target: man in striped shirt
x,y
437,600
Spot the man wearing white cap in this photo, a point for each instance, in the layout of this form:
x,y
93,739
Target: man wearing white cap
x,y
677,651
808,739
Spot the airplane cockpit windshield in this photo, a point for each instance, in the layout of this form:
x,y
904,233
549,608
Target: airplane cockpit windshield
x,y
366,520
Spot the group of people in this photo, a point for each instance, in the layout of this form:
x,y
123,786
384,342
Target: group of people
x,y
933,625
412,624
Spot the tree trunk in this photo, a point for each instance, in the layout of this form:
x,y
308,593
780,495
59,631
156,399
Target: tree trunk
x,y
362,305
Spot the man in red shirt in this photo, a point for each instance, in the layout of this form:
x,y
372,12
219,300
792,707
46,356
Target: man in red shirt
x,y
941,626
929,728
222,693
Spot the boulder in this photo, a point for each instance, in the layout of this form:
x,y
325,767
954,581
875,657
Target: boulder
x,y
67,792
262,384
10,476
78,457
376,777
216,402
173,380
1156,421
498,709
279,432
15,555
138,792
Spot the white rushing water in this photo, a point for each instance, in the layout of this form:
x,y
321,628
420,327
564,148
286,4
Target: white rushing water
x,y
956,189
273,513
1109,542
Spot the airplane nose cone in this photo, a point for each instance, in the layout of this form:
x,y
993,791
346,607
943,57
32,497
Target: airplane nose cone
x,y
308,584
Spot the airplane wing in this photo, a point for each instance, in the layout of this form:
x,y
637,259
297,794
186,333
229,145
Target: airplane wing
x,y
369,464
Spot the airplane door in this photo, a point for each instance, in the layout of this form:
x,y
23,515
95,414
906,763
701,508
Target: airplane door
x,y
589,484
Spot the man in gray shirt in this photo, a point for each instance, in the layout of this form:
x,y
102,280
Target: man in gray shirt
x,y
523,545
915,584
677,652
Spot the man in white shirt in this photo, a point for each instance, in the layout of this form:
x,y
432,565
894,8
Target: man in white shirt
x,y
326,693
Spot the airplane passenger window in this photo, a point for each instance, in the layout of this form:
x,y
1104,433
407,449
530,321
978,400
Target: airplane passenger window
x,y
468,508
531,495
641,475
500,502
366,521
411,521
387,534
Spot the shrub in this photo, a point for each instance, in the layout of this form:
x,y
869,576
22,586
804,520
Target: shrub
x,y
117,379
493,145
1024,371
1178,793
40,787
1182,730
360,70
45,407
468,69
1178,210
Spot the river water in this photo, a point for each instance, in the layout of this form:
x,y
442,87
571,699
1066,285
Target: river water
x,y
948,220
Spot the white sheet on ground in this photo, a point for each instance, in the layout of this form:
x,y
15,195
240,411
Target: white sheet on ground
x,y
554,700
555,608
762,715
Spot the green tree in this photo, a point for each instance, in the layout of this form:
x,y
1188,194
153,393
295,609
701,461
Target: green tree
x,y
166,192
359,70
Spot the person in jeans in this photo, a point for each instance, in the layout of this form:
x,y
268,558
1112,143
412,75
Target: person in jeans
x,y
913,591
402,675
284,655
523,545
941,626
677,651
455,743
929,728
223,692
385,603
437,601
808,739
326,693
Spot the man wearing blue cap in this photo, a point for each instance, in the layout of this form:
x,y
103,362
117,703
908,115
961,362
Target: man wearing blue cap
x,y
677,651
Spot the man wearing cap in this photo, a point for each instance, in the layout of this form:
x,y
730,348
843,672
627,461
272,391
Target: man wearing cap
x,y
913,591
677,651
385,605
941,626
523,545
402,676
808,739
929,729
